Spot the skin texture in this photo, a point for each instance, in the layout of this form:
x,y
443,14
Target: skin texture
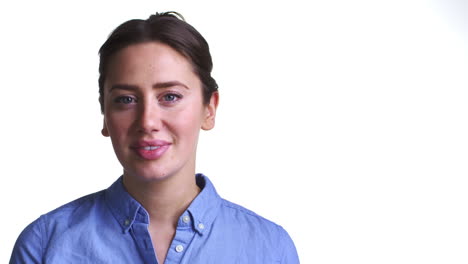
x,y
152,93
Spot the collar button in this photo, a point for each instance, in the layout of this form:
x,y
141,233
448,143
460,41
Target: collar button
x,y
186,219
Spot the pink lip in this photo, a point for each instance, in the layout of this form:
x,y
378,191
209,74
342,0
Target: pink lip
x,y
150,154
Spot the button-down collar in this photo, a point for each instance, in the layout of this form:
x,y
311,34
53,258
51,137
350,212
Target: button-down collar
x,y
201,212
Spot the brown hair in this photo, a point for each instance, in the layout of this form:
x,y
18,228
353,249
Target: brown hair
x,y
168,28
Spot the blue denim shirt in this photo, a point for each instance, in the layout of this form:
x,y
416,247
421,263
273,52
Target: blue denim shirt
x,y
111,227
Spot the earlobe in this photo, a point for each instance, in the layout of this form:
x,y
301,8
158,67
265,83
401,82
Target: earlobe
x,y
104,131
210,111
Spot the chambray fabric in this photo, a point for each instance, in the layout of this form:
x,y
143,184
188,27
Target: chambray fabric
x,y
111,227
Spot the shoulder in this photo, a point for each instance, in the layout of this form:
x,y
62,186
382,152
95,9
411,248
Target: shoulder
x,y
74,212
70,206
35,238
248,219
29,246
259,230
240,212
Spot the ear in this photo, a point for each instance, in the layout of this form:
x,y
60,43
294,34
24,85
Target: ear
x,y
104,130
210,112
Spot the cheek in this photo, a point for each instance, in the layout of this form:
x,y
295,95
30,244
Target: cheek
x,y
117,125
187,124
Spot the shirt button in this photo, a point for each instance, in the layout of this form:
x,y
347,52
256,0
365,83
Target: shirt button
x,y
179,248
201,226
186,219
127,222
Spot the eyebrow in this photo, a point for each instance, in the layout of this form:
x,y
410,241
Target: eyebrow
x,y
158,85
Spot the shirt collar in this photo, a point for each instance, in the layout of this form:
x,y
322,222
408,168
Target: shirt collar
x,y
202,210
205,207
122,205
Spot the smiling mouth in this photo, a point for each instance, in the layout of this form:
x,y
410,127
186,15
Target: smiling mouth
x,y
150,147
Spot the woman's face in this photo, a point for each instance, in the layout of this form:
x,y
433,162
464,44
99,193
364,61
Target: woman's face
x,y
154,111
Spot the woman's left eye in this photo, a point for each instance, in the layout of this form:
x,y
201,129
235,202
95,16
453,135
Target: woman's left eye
x,y
171,97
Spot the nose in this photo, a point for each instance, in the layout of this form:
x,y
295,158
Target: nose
x,y
149,117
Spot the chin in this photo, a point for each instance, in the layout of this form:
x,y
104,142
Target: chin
x,y
148,173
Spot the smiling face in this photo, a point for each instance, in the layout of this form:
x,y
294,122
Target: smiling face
x,y
153,111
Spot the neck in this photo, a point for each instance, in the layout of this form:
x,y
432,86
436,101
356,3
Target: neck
x,y
165,200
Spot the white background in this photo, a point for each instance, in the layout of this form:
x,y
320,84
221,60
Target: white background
x,y
343,121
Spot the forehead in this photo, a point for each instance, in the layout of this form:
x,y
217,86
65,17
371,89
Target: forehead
x,y
149,62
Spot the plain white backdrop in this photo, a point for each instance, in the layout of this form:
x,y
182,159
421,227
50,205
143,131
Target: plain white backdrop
x,y
343,121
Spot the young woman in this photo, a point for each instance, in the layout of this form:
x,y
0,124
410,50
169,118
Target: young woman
x,y
156,93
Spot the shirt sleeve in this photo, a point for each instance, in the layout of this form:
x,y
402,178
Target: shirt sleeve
x,y
289,253
28,246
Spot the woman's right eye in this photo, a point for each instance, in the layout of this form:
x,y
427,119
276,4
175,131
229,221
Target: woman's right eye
x,y
125,100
